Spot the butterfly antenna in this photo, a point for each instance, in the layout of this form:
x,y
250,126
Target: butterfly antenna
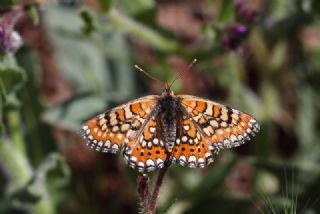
x,y
149,75
186,69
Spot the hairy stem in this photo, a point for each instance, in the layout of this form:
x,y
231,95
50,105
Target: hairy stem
x,y
156,191
143,190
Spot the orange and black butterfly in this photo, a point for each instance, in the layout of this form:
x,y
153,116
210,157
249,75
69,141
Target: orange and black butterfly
x,y
181,129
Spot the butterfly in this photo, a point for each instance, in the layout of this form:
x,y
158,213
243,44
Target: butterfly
x,y
181,129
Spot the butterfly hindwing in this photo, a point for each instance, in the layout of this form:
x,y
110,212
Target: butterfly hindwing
x,y
191,148
110,130
222,126
146,152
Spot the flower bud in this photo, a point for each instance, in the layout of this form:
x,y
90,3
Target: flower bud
x,y
14,41
233,36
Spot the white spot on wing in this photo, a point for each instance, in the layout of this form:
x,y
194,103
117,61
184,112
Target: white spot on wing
x,y
152,129
201,160
150,162
182,158
141,164
184,139
186,127
155,141
133,158
192,159
128,112
209,109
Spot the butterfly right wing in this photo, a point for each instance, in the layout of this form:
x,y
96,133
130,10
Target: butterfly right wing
x,y
222,126
191,147
206,127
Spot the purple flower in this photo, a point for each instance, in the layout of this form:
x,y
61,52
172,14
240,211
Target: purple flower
x,y
233,36
14,41
1,31
10,40
240,30
2,39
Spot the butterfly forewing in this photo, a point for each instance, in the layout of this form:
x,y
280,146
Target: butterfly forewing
x,y
222,126
109,131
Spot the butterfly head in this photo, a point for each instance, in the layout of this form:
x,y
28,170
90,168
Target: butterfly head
x,y
167,87
167,90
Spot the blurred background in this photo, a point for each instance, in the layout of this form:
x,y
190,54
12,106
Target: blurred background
x,y
63,62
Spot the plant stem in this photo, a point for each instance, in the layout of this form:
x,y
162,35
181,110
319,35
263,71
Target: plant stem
x,y
143,190
15,129
142,32
16,165
154,197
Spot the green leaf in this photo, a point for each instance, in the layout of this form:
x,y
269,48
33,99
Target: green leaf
x,y
12,77
74,112
11,74
23,195
53,173
89,23
316,8
7,3
210,33
12,102
148,35
314,58
106,5
32,11
306,111
2,94
169,206
123,71
44,191
16,166
50,180
80,59
226,13
137,6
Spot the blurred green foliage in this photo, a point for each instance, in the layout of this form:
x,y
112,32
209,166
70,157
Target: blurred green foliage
x,y
78,60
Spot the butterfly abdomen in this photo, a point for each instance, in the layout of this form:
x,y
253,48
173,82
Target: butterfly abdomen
x,y
168,119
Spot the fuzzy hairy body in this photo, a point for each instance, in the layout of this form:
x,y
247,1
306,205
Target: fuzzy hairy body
x,y
169,111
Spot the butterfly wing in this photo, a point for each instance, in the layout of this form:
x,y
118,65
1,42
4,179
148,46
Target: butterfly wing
x,y
221,126
110,131
146,152
191,148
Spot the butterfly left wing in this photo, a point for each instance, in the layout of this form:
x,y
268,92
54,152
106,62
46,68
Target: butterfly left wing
x,y
146,151
222,126
110,131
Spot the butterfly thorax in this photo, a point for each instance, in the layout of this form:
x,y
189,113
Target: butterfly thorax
x,y
168,106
